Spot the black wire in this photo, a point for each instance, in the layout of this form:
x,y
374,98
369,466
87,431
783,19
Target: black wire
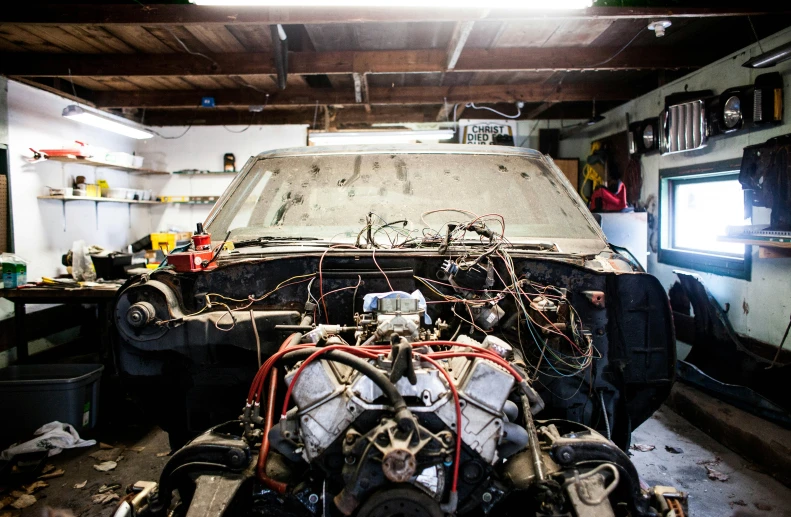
x,y
757,39
619,52
217,254
187,49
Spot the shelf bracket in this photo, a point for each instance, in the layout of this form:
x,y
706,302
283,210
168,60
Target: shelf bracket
x,y
63,205
96,205
129,208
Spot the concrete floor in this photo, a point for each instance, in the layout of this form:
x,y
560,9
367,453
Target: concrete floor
x,y
708,498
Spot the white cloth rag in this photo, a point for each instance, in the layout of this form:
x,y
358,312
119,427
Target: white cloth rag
x,y
52,437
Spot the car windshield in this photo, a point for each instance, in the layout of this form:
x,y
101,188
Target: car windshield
x,y
334,196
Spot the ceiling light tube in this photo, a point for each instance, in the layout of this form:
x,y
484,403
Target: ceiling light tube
x,y
379,137
524,5
79,114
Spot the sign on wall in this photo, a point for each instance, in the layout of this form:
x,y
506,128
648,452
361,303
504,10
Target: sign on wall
x,y
487,132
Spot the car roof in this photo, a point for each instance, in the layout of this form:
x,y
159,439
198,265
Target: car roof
x,y
401,149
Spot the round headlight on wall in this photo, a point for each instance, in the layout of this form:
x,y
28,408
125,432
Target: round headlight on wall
x,y
732,112
648,136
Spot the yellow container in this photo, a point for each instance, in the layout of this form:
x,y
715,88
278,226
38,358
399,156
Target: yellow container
x,y
163,241
92,190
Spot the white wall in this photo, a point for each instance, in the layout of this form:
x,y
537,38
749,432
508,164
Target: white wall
x,y
767,294
34,120
203,148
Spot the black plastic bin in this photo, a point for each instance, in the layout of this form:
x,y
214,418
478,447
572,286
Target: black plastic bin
x,y
36,394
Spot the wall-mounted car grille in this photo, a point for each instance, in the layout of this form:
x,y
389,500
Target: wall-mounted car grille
x,y
683,127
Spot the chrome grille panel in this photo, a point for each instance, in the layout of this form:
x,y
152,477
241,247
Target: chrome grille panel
x,y
683,127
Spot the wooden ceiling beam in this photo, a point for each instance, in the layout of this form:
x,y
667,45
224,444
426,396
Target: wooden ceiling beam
x,y
161,14
509,93
349,62
337,117
346,117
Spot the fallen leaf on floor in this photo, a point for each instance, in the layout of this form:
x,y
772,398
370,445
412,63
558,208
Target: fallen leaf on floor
x,y
36,485
716,475
136,449
16,494
642,447
715,461
6,514
673,450
105,446
48,468
763,507
162,454
54,474
738,502
107,455
106,466
108,488
24,501
119,458
81,485
105,498
7,500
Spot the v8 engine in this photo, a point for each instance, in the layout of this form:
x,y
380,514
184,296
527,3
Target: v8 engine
x,y
402,422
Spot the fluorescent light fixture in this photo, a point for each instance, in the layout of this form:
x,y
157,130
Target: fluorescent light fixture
x,y
524,5
379,137
79,114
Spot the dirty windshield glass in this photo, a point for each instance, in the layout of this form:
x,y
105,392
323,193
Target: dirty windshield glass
x,y
330,196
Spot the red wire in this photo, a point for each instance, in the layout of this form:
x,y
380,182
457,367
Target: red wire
x,y
346,348
373,256
458,419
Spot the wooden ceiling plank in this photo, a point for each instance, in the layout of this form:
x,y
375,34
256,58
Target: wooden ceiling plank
x,y
7,45
68,42
19,35
577,33
99,38
139,38
87,82
396,61
170,36
254,38
216,38
187,14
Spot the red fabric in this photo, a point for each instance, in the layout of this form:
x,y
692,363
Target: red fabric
x,y
605,201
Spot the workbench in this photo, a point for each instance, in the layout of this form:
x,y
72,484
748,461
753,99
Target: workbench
x,y
45,295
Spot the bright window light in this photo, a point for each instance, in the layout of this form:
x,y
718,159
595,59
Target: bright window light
x,y
530,5
701,212
379,137
79,114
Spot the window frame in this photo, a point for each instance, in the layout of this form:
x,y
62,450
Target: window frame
x,y
735,266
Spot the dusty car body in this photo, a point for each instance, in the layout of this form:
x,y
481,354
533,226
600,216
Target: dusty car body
x,y
386,297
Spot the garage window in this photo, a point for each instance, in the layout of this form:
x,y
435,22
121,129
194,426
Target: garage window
x,y
696,205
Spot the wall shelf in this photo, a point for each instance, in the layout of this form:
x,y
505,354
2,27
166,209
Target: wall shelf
x,y
92,163
100,200
187,202
196,172
773,242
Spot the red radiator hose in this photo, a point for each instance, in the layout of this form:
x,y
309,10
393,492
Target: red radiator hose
x,y
269,420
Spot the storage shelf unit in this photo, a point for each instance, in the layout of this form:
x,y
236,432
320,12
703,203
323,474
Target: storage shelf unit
x,y
100,200
88,161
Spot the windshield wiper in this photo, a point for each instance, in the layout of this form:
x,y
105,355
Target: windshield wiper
x,y
263,241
